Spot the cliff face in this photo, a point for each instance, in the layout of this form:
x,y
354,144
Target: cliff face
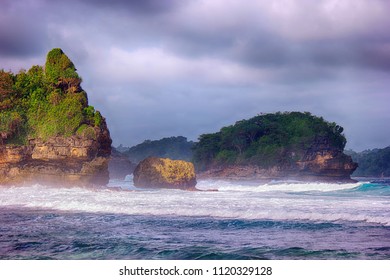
x,y
323,162
71,160
48,132
317,166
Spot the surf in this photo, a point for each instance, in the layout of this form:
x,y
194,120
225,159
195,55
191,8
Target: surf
x,y
279,201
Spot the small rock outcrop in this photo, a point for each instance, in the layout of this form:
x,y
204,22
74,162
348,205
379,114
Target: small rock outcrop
x,y
165,173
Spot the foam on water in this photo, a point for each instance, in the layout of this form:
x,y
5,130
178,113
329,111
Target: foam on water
x,y
280,186
276,201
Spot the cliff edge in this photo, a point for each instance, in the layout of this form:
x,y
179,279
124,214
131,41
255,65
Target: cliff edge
x,y
48,132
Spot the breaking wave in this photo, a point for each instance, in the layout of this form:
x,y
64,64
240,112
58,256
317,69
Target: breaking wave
x,y
297,201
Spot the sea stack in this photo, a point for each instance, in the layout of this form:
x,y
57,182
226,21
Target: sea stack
x,y
48,132
155,172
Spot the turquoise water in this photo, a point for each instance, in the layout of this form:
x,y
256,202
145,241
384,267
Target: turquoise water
x,y
282,220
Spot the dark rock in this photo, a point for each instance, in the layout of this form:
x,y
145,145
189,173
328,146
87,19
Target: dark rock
x,y
120,165
326,165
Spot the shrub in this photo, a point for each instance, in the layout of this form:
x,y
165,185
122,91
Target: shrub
x,y
45,102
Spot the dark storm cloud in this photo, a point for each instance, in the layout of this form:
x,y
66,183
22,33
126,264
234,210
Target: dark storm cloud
x,y
146,7
137,8
271,52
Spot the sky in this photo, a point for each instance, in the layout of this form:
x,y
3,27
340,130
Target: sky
x,y
158,68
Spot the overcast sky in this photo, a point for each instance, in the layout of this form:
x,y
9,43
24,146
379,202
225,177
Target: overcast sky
x,y
159,68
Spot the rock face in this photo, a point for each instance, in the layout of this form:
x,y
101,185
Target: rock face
x,y
324,163
321,162
165,173
71,160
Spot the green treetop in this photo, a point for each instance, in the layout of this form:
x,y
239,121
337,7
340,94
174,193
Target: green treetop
x,y
59,66
45,102
267,140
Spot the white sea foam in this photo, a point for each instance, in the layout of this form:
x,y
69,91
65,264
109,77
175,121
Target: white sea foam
x,y
284,201
280,186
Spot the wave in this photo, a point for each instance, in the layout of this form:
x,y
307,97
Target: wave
x,y
374,189
276,186
251,202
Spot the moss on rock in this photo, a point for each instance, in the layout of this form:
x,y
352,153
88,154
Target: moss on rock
x,y
165,173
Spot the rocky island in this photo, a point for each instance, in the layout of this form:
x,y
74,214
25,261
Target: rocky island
x,y
290,145
48,131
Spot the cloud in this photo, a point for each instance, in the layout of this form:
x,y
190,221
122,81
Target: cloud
x,y
139,7
163,68
325,19
157,66
22,31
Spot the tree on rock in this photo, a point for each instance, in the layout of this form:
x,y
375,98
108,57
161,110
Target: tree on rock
x,y
61,72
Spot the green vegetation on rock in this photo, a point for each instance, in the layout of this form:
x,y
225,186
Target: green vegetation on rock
x,y
45,102
59,67
267,140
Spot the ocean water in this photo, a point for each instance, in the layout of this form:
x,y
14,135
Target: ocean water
x,y
227,220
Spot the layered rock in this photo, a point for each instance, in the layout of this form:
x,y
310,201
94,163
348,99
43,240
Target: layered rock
x,y
321,162
165,173
325,163
71,160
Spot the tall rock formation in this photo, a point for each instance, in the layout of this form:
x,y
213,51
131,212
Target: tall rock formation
x,y
48,132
